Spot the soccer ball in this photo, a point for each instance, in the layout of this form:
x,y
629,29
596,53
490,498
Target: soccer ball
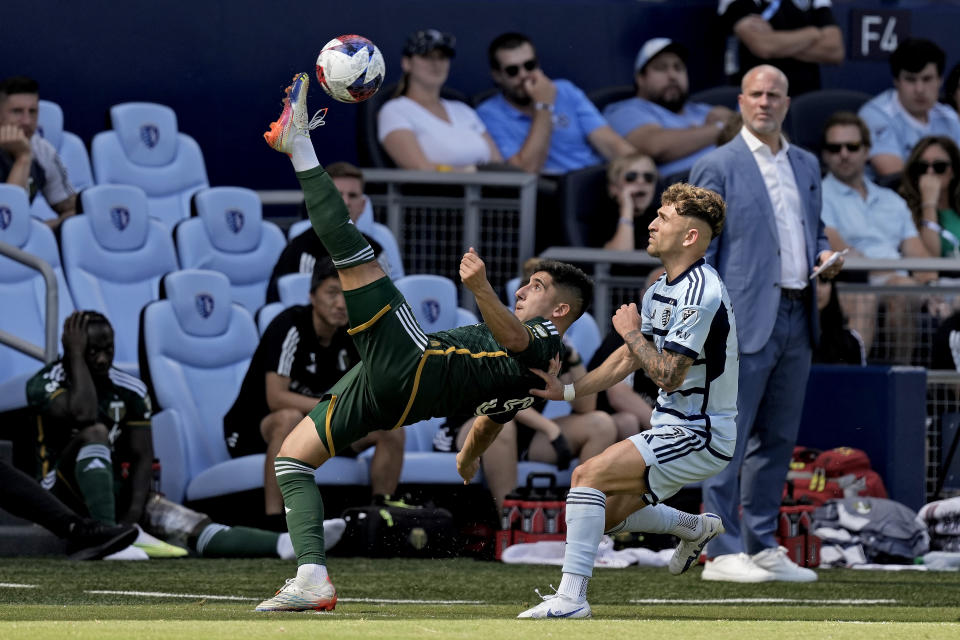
x,y
350,68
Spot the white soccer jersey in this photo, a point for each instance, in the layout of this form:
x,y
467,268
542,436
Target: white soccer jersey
x,y
692,315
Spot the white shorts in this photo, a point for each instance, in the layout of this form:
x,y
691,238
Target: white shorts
x,y
675,456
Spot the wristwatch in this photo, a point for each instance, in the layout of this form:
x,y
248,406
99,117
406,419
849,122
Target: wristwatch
x,y
543,106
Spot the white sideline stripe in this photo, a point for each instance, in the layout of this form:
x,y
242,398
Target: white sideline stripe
x,y
15,585
160,594
759,601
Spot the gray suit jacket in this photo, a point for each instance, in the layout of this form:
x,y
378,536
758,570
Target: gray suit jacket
x,y
747,252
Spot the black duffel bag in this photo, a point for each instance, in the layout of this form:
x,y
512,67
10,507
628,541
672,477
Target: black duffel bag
x,y
393,532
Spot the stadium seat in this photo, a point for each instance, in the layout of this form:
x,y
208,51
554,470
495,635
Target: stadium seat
x,y
434,302
584,335
364,222
724,95
195,349
23,293
229,235
510,292
71,150
146,149
384,237
607,95
370,153
294,288
810,111
114,257
580,192
266,314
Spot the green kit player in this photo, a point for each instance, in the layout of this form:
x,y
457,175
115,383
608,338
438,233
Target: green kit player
x,y
404,375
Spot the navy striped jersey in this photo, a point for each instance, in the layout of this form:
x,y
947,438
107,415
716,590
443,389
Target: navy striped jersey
x,y
692,315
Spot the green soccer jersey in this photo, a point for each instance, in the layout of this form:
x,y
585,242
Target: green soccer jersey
x,y
468,373
122,402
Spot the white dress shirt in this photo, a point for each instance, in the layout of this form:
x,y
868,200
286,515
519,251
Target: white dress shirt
x,y
782,188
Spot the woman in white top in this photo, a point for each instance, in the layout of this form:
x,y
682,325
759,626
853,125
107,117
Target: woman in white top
x,y
421,130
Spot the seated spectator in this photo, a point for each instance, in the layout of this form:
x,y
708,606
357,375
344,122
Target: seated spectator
x,y
631,184
26,159
302,253
538,124
421,130
945,351
951,88
796,37
870,221
95,451
899,117
838,343
659,121
931,187
303,352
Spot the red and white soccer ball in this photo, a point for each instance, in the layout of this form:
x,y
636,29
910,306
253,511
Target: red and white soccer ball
x,y
350,68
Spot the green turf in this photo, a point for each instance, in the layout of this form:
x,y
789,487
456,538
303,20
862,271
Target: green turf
x,y
927,604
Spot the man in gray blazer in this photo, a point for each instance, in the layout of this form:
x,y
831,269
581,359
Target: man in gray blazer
x,y
772,243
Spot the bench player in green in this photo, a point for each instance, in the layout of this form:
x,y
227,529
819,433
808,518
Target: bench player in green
x,y
404,375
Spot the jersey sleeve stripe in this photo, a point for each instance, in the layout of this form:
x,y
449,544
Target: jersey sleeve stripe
x,y
288,351
127,381
679,348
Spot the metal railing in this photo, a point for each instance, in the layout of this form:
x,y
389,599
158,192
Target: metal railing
x,y
48,353
943,426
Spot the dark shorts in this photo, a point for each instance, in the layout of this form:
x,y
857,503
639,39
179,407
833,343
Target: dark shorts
x,y
243,439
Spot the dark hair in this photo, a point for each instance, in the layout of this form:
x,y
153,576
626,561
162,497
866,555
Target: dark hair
x,y
846,118
914,54
18,84
910,182
950,87
344,170
697,202
510,40
572,282
323,269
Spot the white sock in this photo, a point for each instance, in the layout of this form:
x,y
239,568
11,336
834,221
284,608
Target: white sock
x,y
304,156
660,518
574,587
313,574
586,508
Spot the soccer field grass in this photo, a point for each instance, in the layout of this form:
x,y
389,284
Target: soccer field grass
x,y
53,598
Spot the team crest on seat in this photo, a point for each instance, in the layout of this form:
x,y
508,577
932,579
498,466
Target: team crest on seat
x,y
204,303
150,135
5,217
431,310
234,220
120,217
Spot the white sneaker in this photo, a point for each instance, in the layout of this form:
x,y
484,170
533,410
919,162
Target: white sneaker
x,y
332,532
735,567
778,563
557,606
156,548
129,553
688,551
296,596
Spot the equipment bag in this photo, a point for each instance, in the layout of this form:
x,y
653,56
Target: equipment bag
x,y
393,532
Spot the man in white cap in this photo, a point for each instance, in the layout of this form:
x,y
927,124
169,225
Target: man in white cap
x,y
659,121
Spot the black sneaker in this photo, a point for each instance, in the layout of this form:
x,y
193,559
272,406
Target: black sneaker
x,y
92,540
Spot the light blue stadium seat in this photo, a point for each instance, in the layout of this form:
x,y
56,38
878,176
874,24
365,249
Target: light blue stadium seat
x,y
584,335
71,150
197,345
510,292
364,222
23,293
434,302
294,288
297,228
267,313
114,256
382,234
229,235
146,149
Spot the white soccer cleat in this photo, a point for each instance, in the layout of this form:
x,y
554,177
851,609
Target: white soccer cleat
x,y
688,551
557,606
295,596
156,548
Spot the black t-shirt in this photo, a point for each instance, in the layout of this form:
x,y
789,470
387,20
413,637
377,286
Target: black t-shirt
x,y
290,347
38,179
644,386
299,257
789,15
606,219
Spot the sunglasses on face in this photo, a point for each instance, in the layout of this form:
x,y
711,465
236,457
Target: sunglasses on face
x,y
648,176
939,167
513,69
852,147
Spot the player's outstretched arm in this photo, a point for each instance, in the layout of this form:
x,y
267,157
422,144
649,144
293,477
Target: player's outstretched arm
x,y
482,434
615,368
507,330
667,369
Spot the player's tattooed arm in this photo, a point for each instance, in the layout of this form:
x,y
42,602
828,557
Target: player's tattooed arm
x,y
668,369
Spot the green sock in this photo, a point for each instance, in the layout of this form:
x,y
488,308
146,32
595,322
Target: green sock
x,y
221,541
304,507
94,474
331,222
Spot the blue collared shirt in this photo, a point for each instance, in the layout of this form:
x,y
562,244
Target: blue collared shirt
x,y
876,227
893,131
574,118
627,115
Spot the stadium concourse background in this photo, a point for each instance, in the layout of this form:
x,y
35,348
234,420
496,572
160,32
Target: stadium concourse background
x,y
222,64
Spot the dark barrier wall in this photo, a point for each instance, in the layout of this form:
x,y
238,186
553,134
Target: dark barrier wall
x,y
881,410
222,65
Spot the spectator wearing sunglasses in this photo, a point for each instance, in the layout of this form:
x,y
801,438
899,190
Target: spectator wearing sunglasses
x,y
659,121
899,117
932,190
539,124
419,129
631,185
870,221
